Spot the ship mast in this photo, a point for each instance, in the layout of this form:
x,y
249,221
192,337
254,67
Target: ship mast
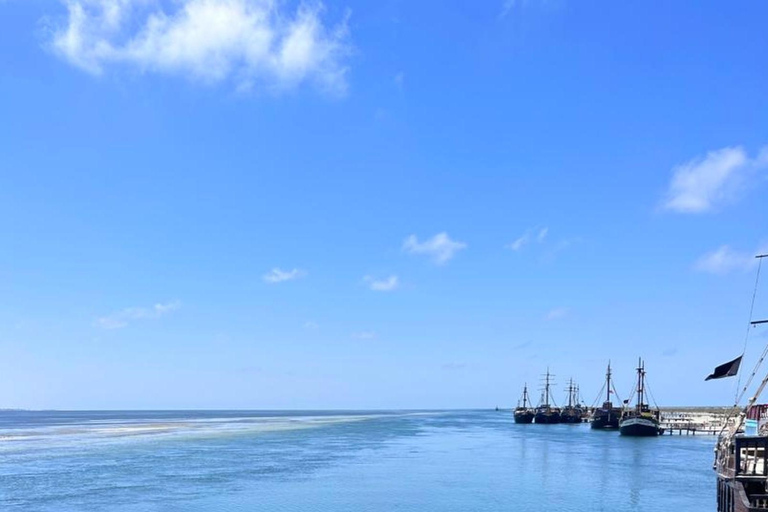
x,y
640,384
570,393
546,390
525,396
608,383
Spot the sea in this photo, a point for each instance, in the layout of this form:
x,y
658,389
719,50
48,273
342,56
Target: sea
x,y
217,461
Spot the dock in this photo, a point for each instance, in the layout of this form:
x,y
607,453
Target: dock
x,y
693,423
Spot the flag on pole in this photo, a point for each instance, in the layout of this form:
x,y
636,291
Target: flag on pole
x,y
728,369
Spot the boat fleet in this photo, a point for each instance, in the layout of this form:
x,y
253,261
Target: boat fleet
x,y
638,420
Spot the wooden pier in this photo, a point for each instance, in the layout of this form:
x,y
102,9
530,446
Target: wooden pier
x,y
689,429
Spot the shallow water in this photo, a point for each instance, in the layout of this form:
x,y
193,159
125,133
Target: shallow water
x,y
340,461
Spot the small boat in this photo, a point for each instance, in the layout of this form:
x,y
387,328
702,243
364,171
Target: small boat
x,y
641,420
572,413
524,413
545,412
607,416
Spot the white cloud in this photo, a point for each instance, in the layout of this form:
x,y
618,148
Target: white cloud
x,y
507,7
703,184
364,335
122,318
724,260
382,285
520,242
557,313
440,247
251,42
525,238
278,276
400,80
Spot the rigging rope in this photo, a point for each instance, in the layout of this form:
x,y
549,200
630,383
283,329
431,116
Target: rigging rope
x,y
739,396
648,388
616,392
746,339
599,396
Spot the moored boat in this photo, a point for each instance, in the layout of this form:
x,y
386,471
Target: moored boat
x,y
571,413
524,413
606,417
546,413
640,420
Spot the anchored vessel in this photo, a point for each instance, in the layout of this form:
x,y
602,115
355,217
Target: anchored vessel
x,y
640,420
524,412
607,416
572,413
741,454
545,413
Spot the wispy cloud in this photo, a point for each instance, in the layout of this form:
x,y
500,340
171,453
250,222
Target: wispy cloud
x,y
400,80
440,247
557,313
277,275
364,335
124,317
251,42
382,285
724,260
520,242
705,183
537,234
311,326
507,6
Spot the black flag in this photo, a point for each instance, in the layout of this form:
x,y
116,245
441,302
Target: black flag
x,y
728,369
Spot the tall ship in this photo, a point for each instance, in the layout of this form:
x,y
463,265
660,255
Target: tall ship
x,y
640,420
607,416
573,412
741,453
547,411
524,413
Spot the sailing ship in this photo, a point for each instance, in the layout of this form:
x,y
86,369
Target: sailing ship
x,y
607,416
572,413
524,413
641,420
545,412
741,453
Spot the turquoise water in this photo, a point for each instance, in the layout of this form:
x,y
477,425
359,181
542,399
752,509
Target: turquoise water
x,y
342,461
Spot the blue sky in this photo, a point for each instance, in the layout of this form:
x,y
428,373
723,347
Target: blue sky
x,y
251,204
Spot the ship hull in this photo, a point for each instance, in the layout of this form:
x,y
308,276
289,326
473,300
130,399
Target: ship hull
x,y
570,418
605,420
524,417
544,418
639,427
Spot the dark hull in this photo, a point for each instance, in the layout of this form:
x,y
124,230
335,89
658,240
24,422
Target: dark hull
x,y
741,479
547,418
524,416
732,497
570,418
639,427
604,420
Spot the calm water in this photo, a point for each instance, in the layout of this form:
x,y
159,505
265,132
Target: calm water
x,y
343,461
